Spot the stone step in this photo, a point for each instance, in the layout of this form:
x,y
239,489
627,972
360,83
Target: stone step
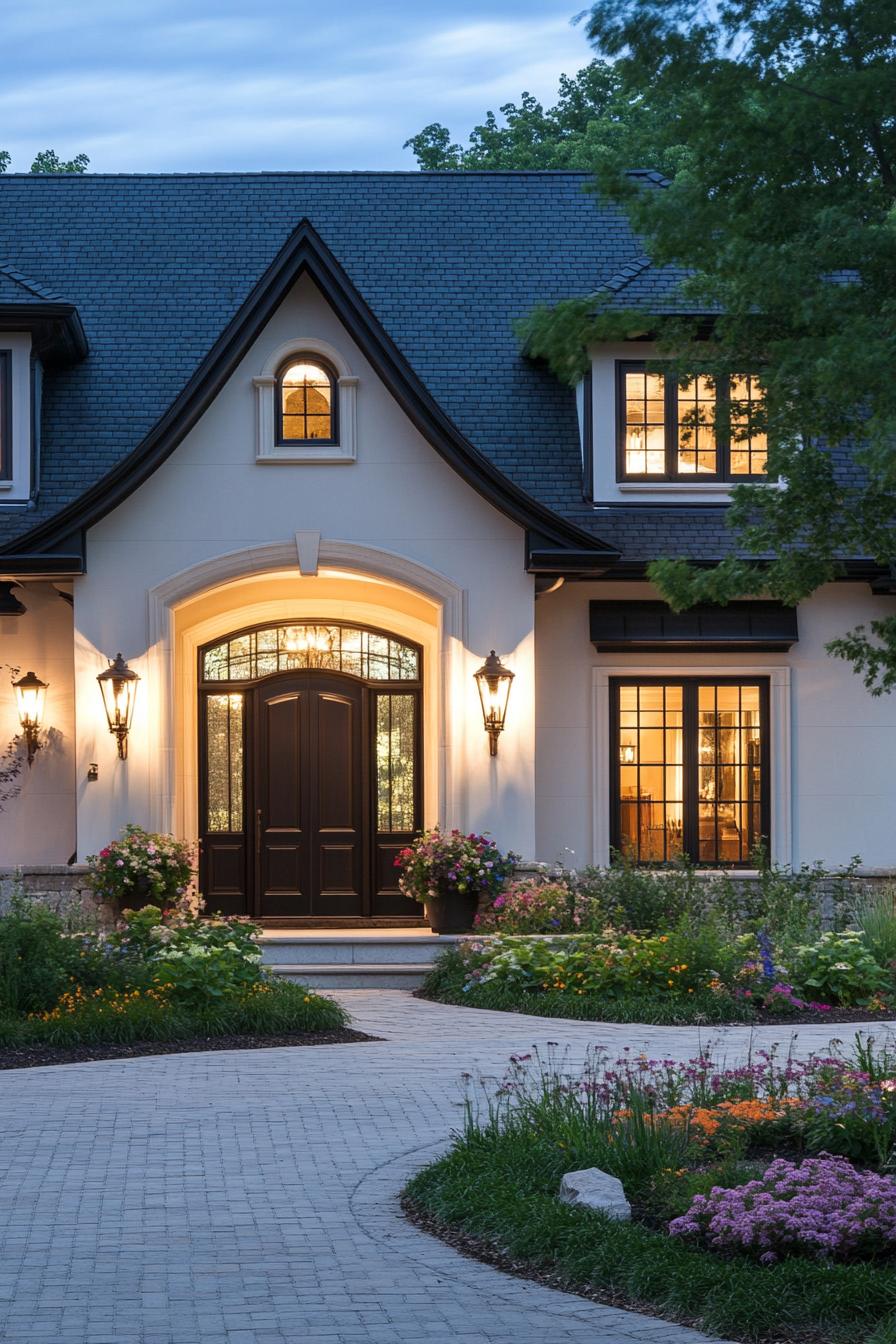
x,y
358,949
345,975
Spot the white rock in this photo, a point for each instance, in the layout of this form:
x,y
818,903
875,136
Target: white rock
x,y
596,1189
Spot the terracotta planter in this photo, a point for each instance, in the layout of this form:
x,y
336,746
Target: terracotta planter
x,y
452,912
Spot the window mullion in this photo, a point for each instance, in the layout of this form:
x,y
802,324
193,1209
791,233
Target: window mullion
x,y
671,398
691,762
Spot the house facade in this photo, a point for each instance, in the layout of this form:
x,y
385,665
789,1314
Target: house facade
x,y
272,439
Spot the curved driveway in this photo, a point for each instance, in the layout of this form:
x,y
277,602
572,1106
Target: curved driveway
x,y
249,1197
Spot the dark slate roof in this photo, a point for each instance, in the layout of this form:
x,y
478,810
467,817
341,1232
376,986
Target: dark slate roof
x,y
158,265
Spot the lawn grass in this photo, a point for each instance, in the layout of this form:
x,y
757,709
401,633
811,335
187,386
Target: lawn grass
x,y
282,1008
498,1191
445,984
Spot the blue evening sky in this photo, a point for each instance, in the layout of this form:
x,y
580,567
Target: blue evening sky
x,y
178,85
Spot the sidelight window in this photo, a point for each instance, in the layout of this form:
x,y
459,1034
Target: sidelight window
x,y
690,770
224,763
396,762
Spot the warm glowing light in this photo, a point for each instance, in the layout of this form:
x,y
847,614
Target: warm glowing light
x,y
30,696
119,687
493,681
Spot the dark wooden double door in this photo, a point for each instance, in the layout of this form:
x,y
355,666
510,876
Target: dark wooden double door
x,y
310,847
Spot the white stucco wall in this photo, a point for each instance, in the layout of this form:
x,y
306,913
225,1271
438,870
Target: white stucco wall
x,y
212,498
841,740
38,825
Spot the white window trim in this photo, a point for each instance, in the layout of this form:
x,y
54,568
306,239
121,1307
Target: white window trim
x,y
17,489
267,449
780,776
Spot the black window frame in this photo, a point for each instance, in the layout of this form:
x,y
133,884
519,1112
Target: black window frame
x,y
670,423
6,463
690,763
309,357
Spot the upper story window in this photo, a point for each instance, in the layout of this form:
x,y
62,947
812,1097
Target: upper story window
x,y
668,432
307,401
5,415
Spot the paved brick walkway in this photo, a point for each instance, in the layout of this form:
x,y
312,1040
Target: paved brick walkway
x,y
249,1197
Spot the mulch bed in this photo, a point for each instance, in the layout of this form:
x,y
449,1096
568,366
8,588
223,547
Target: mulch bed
x,y
37,1056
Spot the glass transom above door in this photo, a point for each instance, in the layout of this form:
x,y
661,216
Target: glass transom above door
x,y
297,645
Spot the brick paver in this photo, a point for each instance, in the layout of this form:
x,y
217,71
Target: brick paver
x,y
250,1197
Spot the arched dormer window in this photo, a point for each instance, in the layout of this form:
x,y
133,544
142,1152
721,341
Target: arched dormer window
x,y
306,398
307,401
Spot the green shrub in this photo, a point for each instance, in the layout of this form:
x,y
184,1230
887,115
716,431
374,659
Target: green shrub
x,y
37,958
837,968
447,982
875,918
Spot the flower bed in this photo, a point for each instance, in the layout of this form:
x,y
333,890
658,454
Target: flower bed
x,y
763,1196
626,945
160,977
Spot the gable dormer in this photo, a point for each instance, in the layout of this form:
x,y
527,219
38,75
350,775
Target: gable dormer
x,y
37,328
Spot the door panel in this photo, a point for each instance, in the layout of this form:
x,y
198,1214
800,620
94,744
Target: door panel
x,y
338,820
283,858
309,796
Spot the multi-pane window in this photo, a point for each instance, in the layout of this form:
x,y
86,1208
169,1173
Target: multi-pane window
x,y
5,416
748,445
672,431
690,769
396,762
224,762
307,403
291,648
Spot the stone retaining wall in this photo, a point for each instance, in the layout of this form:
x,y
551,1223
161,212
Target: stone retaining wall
x,y
62,887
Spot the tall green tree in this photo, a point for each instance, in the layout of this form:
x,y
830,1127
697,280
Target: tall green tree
x,y
780,116
595,116
48,161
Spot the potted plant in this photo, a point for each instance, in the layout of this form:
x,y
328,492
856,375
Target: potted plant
x,y
142,869
448,872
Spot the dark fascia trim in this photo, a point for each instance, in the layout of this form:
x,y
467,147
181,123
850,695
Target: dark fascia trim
x,y
305,252
878,577
56,329
543,556
650,626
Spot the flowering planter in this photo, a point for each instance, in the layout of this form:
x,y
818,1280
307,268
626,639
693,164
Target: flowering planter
x,y
137,896
452,912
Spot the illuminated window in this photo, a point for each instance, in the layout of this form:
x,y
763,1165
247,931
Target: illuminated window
x,y
748,444
690,770
668,431
307,403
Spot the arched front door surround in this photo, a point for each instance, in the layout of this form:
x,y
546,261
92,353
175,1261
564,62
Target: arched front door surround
x,y
310,770
172,665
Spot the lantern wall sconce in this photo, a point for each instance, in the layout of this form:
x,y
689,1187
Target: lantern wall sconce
x,y
30,697
627,754
493,683
119,687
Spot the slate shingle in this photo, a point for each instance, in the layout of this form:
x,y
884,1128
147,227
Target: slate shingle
x,y
157,265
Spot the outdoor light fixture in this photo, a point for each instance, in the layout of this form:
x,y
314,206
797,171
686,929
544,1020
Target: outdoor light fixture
x,y
119,687
30,695
493,681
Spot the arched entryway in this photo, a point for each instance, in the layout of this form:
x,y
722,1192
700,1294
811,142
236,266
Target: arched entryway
x,y
310,770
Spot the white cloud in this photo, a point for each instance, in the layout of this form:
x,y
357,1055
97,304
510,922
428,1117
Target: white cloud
x,y
166,86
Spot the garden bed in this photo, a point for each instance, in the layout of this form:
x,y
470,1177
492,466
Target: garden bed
x,y
447,982
668,1132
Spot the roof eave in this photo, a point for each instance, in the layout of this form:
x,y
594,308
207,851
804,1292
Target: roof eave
x,y
305,252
